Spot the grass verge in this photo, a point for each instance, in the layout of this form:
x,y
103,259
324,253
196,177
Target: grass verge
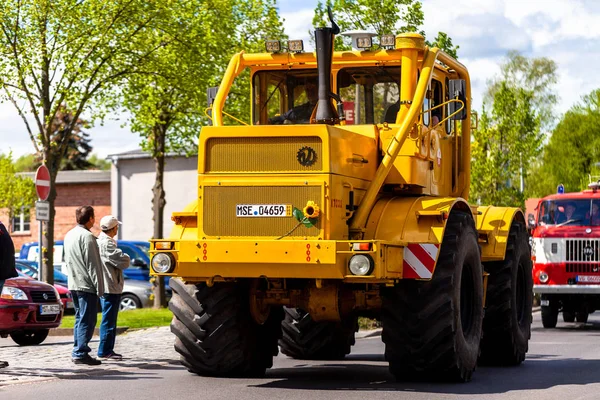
x,y
140,318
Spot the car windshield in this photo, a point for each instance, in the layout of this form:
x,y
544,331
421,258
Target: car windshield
x,y
570,212
145,248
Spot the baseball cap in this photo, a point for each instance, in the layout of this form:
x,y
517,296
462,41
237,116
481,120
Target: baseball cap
x,y
108,222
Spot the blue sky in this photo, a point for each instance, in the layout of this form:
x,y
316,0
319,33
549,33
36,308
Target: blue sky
x,y
565,30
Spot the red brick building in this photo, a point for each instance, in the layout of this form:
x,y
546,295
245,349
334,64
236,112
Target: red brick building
x,y
73,189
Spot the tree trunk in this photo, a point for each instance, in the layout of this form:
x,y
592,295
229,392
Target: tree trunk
x,y
158,205
47,246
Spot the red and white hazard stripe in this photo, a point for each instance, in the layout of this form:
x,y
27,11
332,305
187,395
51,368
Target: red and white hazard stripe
x,y
419,260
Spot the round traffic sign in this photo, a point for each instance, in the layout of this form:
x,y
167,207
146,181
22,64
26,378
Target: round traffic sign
x,y
42,182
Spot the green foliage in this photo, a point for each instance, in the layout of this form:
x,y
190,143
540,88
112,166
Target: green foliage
x,y
26,163
381,17
507,140
16,192
572,151
133,319
537,75
99,163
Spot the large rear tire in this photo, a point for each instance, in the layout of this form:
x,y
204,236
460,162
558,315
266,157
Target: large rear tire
x,y
215,334
305,339
568,316
432,329
509,300
582,316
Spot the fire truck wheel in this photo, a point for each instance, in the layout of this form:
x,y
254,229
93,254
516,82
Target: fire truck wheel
x,y
305,339
549,316
581,316
509,299
215,333
568,316
432,329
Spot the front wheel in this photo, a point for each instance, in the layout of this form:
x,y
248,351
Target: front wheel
x,y
432,329
549,316
30,338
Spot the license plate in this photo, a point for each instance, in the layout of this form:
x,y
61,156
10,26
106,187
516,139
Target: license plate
x,y
588,279
49,309
263,210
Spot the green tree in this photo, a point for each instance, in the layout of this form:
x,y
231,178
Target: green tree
x,y
17,193
99,163
26,163
71,54
167,100
506,143
382,17
573,150
537,75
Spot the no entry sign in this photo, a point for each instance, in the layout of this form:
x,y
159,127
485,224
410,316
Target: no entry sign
x,y
42,182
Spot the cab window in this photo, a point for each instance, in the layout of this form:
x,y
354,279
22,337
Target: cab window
x,y
371,95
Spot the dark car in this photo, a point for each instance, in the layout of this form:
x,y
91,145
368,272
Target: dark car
x,y
28,310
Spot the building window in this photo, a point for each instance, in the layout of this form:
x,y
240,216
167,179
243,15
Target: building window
x,y
21,222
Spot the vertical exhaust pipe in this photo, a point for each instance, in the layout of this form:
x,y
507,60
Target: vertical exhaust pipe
x,y
325,112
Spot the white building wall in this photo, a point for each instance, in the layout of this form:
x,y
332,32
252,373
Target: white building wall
x,y
132,201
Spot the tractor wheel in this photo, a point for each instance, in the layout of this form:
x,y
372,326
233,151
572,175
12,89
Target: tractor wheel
x,y
582,316
305,339
432,329
215,334
568,316
509,300
549,316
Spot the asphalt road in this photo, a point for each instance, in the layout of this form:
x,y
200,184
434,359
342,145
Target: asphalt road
x,y
563,363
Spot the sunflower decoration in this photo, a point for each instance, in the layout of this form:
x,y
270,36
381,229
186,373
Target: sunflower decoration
x,y
311,210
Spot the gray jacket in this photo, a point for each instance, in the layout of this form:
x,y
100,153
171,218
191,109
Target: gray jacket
x,y
114,261
82,257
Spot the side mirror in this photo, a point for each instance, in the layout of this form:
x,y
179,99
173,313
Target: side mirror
x,y
531,221
136,262
457,89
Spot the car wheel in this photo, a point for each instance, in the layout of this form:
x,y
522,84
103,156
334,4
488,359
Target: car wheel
x,y
129,302
30,338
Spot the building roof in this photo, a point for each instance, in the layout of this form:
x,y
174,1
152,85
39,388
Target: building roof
x,y
83,176
138,153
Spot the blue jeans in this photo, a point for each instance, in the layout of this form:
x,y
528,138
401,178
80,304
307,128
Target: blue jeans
x,y
86,308
108,328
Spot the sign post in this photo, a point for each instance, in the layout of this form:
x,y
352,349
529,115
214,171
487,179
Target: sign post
x,y
42,207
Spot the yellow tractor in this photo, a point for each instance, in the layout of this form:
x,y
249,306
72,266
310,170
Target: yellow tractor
x,y
345,196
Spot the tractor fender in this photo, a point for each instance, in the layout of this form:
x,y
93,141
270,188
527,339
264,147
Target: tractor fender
x,y
493,226
412,219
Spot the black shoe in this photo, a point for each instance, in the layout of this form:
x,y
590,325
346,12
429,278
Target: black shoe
x,y
87,360
112,356
3,364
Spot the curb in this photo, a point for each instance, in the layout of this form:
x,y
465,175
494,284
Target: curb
x,y
369,333
69,331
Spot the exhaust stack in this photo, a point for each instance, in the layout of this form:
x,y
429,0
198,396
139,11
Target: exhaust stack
x,y
325,112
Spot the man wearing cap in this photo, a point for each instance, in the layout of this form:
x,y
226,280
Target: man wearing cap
x,y
84,269
114,261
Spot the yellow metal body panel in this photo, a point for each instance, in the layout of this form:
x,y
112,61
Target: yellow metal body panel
x,y
493,225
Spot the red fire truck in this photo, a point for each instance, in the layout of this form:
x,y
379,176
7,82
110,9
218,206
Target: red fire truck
x,y
566,255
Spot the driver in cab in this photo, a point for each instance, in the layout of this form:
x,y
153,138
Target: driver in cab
x,y
300,114
569,213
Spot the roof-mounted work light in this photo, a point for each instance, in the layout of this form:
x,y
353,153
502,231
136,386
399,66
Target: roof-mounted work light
x,y
273,46
296,46
388,41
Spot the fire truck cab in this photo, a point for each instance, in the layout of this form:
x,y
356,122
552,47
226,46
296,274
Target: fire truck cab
x,y
566,255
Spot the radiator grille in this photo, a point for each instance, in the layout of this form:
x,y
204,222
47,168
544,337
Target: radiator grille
x,y
220,210
261,154
38,296
585,268
583,250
